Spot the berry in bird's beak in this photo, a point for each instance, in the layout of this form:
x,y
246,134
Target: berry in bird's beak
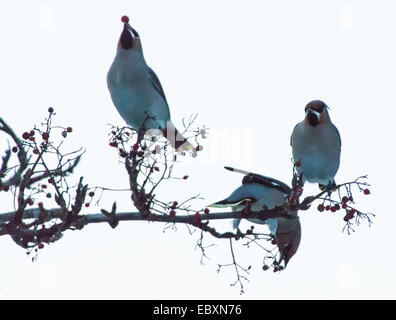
x,y
128,35
125,19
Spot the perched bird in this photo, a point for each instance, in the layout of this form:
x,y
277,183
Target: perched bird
x,y
137,92
316,146
265,192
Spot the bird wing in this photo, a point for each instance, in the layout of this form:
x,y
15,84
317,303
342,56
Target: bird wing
x,y
292,133
156,83
338,134
260,179
267,181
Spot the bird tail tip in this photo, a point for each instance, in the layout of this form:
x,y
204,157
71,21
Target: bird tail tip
x,y
188,147
221,204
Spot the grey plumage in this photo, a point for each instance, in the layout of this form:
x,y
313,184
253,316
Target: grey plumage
x,y
262,191
316,145
137,92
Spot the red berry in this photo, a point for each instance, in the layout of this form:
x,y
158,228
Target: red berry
x,y
14,149
45,136
347,218
140,153
172,213
30,201
327,208
25,135
87,204
125,19
40,246
333,209
44,186
174,204
135,146
113,144
69,129
6,188
91,194
321,207
50,109
345,199
366,191
206,210
31,133
265,267
156,169
50,180
197,217
337,207
185,177
352,212
344,206
349,215
32,138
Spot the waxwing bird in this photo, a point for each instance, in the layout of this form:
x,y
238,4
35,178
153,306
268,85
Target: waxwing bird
x,y
261,192
316,146
137,92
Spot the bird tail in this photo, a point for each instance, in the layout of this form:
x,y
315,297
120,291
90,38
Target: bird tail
x,y
227,203
237,170
176,139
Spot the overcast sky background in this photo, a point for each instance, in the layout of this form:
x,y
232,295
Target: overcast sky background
x,y
247,68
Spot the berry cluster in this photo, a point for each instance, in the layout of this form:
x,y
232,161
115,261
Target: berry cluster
x,y
345,203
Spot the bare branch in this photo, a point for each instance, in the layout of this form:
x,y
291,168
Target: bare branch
x,y
21,153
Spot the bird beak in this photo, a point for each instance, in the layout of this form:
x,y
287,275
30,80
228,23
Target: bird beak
x,y
128,36
128,27
313,117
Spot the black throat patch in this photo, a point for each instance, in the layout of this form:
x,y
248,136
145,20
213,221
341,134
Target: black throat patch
x,y
126,39
312,119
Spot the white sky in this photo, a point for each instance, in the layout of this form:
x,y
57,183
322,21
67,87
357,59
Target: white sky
x,y
247,68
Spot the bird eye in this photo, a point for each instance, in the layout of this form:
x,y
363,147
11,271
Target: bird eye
x,y
320,107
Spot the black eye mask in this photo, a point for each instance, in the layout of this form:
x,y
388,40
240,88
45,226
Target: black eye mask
x,y
316,105
135,32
